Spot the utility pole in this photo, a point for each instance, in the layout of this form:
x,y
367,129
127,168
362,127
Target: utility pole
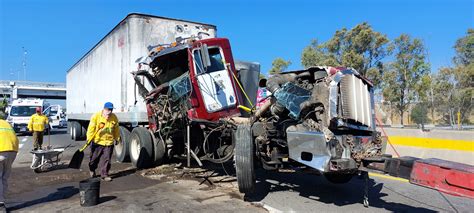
x,y
24,62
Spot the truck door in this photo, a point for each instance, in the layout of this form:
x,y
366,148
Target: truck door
x,y
52,113
214,81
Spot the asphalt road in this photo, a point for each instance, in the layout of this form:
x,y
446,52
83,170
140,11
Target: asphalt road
x,y
57,190
296,192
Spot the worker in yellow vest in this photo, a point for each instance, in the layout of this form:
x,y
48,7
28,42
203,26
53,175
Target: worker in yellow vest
x,y
8,150
104,132
36,126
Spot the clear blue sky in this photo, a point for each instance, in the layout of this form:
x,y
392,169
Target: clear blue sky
x,y
56,33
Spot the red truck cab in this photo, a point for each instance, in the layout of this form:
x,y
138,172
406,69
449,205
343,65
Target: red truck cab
x,y
215,94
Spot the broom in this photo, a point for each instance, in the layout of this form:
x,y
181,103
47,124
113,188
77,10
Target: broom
x,y
78,156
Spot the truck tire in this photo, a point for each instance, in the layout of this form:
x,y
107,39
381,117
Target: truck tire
x,y
338,178
160,150
68,130
244,158
83,132
141,148
121,149
69,127
76,130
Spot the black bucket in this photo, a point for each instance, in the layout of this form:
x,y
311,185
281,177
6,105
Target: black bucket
x,y
89,191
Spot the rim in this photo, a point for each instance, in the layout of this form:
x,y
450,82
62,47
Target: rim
x,y
73,132
134,148
118,148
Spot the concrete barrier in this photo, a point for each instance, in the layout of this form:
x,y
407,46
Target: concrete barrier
x,y
452,145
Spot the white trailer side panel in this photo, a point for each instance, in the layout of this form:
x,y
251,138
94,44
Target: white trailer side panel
x,y
103,74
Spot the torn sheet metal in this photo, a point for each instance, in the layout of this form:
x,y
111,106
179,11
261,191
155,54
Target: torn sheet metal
x,y
312,144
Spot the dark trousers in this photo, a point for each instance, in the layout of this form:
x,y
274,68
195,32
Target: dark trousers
x,y
37,139
100,156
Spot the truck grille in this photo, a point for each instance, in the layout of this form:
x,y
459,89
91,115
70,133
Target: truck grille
x,y
356,103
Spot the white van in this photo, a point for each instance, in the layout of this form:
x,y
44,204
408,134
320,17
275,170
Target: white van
x,y
21,111
56,115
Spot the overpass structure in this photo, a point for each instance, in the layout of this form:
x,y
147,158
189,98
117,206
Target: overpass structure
x,y
29,89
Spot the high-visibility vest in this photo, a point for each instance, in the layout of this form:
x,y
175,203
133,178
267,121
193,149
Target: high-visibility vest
x,y
37,123
8,139
110,129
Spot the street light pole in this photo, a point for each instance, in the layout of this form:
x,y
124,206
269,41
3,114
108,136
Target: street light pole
x,y
24,62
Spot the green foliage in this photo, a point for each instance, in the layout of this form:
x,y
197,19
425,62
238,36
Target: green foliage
x,y
279,65
465,49
419,114
454,93
361,48
401,83
3,105
454,86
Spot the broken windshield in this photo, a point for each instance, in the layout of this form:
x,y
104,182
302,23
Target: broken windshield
x,y
217,63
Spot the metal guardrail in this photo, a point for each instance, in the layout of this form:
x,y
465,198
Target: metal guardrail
x,y
6,83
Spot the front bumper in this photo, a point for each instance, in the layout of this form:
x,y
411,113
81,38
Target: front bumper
x,y
20,128
340,154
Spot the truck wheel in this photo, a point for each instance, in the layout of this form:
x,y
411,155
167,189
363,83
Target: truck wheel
x,y
69,128
160,151
338,178
121,149
83,132
141,148
244,158
75,130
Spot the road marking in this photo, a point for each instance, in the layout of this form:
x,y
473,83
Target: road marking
x,y
267,207
21,145
388,177
23,140
434,143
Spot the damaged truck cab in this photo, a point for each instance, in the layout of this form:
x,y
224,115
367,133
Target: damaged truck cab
x,y
321,118
191,85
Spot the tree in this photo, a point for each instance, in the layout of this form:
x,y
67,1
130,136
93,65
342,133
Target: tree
x,y
3,105
361,48
401,82
465,49
454,86
419,114
278,66
454,93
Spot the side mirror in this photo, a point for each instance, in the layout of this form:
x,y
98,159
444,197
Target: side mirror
x,y
142,60
206,60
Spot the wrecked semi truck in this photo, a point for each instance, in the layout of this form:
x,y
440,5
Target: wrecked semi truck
x,y
179,93
320,119
171,82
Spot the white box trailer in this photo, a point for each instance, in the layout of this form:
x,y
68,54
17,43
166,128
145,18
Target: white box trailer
x,y
103,73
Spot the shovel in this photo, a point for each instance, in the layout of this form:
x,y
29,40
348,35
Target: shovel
x,y
78,156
